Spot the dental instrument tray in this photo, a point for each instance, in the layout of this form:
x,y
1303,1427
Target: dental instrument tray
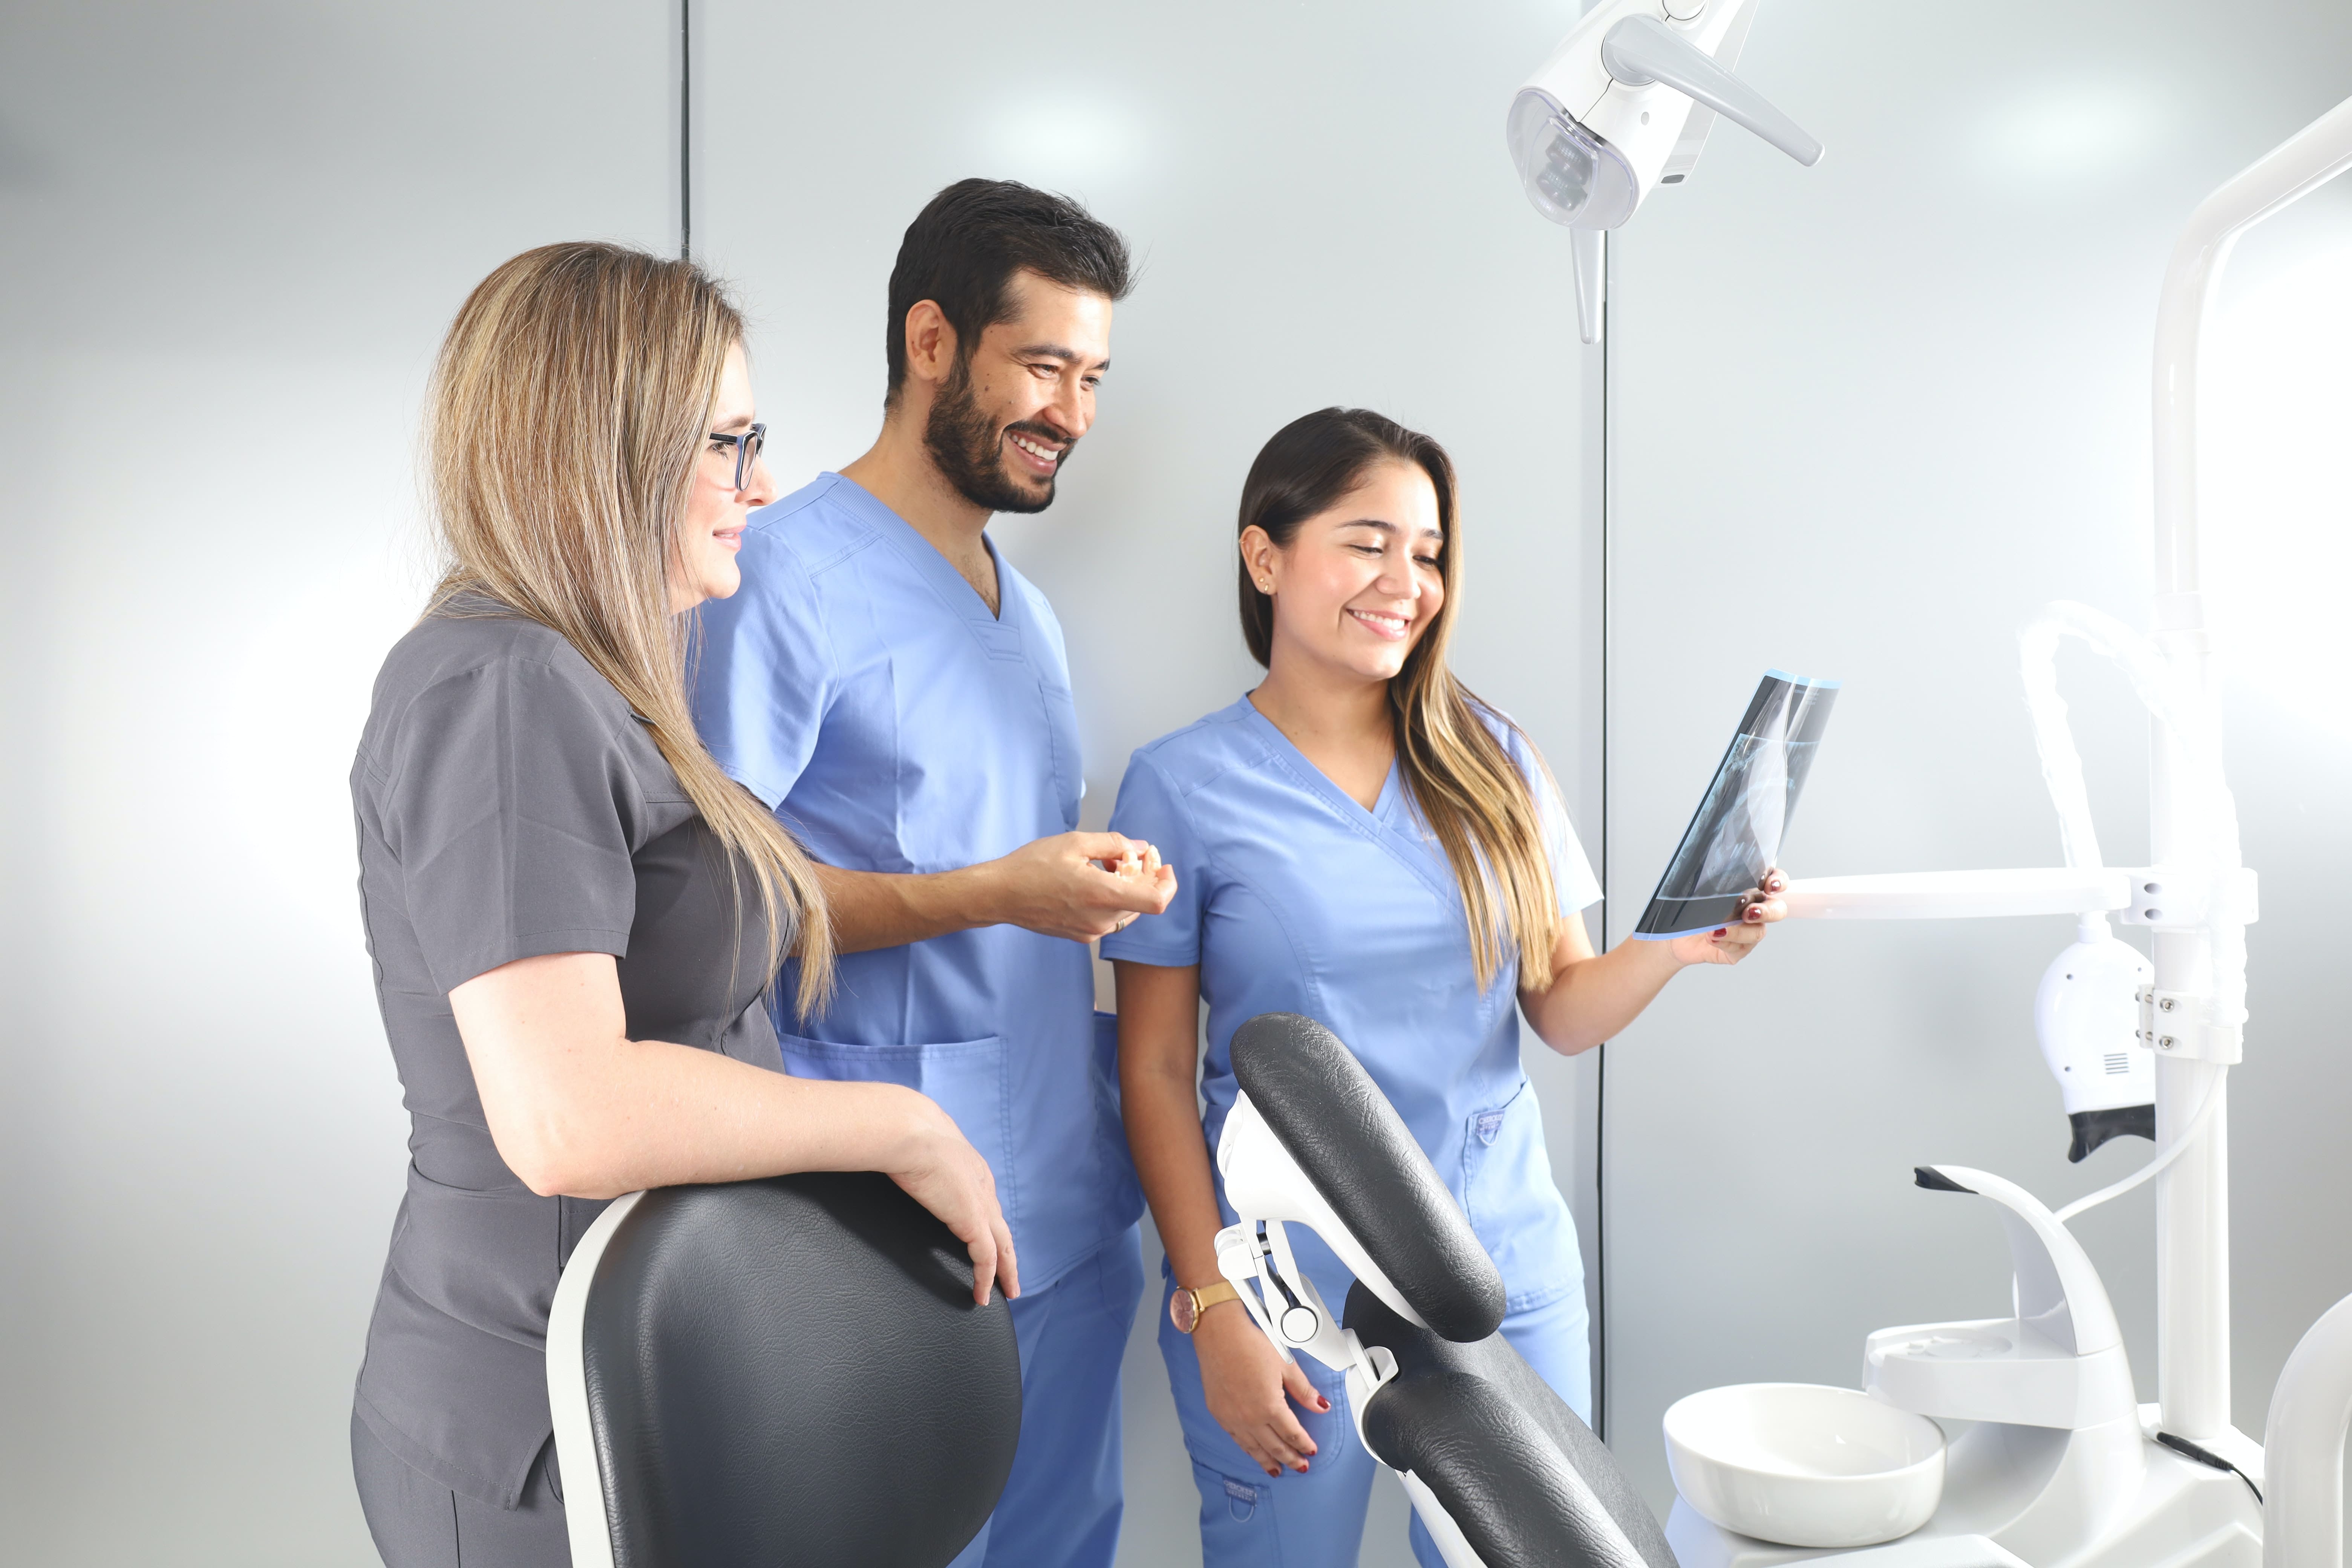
x,y
1736,835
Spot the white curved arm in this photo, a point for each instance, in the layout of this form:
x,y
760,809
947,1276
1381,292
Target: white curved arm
x,y
2303,1448
1640,51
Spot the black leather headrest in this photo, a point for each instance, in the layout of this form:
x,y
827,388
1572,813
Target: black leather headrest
x,y
1524,1480
792,1371
1347,1138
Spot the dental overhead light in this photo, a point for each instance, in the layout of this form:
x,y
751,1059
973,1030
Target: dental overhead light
x,y
1622,106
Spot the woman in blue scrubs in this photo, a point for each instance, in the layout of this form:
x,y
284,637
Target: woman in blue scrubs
x,y
1361,840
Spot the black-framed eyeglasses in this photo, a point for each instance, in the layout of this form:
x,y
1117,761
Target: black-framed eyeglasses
x,y
747,450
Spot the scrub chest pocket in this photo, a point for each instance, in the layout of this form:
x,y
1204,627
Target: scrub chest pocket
x,y
970,1079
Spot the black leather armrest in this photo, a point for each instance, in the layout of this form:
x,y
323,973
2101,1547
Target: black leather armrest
x,y
1350,1142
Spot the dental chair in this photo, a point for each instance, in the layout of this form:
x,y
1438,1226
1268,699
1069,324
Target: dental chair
x,y
1501,1471
778,1372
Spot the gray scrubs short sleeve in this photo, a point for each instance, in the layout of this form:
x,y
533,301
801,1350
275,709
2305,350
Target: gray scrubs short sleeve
x,y
509,809
510,804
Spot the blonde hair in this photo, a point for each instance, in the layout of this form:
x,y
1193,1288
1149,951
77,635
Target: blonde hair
x,y
1476,802
569,411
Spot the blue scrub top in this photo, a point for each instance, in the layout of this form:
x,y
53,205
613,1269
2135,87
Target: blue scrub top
x,y
860,686
1292,898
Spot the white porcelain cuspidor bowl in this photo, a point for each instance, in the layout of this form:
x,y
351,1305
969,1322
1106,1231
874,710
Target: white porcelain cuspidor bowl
x,y
1805,1464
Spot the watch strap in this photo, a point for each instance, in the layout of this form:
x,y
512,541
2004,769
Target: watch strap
x,y
1200,1301
1208,1296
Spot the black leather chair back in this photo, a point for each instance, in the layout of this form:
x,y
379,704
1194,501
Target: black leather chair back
x,y
1353,1146
792,1373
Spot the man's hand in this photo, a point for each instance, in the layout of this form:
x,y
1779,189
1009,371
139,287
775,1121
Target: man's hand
x,y
1061,885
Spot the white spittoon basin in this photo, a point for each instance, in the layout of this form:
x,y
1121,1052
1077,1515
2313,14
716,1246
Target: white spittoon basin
x,y
1804,1464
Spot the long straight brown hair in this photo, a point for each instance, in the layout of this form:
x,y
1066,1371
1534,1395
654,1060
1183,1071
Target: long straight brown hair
x,y
569,410
1463,783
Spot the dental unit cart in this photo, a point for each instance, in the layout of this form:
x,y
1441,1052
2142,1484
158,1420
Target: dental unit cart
x,y
2060,1467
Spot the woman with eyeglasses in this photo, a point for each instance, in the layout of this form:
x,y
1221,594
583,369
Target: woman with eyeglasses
x,y
1363,840
573,912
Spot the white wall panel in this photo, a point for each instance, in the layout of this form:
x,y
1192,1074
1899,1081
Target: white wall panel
x,y
1867,418
231,235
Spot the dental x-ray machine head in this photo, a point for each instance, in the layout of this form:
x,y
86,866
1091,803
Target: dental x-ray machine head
x,y
1622,106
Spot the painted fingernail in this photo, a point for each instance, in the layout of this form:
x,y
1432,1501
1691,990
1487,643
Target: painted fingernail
x,y
1722,931
1324,1403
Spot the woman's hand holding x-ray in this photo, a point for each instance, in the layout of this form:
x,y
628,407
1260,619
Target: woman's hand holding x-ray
x,y
1594,995
1759,907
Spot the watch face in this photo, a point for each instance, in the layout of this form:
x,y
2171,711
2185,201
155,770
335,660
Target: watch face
x,y
1183,1311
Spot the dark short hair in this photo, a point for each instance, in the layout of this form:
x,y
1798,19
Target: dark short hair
x,y
964,246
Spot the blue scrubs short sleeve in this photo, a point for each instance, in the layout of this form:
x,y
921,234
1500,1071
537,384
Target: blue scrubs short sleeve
x,y
765,669
1571,873
1150,808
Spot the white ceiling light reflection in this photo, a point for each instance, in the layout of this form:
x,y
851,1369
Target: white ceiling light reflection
x,y
2277,486
2058,138
1064,145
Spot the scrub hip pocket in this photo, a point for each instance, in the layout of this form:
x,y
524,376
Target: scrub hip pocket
x,y
968,1079
1500,1145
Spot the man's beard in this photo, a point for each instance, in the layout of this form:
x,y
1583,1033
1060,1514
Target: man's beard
x,y
969,450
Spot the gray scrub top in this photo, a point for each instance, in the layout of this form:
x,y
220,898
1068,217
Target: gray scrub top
x,y
510,804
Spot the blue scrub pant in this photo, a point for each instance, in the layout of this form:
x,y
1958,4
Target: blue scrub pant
x,y
1249,1519
1062,1503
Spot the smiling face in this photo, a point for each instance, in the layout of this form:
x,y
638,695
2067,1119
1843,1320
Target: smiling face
x,y
703,564
1007,416
1360,583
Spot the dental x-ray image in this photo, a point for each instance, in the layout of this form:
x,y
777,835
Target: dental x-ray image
x,y
1737,834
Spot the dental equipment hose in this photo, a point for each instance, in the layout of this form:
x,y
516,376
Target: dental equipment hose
x,y
2166,1156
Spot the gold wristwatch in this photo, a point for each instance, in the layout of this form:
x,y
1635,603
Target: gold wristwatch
x,y
1185,1307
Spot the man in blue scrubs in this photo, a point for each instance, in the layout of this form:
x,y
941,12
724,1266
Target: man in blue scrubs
x,y
899,695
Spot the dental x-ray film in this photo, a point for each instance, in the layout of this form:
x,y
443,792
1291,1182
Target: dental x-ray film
x,y
1737,834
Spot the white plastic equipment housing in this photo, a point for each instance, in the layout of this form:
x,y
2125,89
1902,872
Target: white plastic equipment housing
x,y
2188,1028
1263,1182
2087,1015
1655,131
1622,106
2192,1198
2164,897
1955,895
2303,1448
567,1392
2060,1361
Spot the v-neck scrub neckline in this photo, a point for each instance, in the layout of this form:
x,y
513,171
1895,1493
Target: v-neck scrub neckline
x,y
956,592
1391,783
1390,820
